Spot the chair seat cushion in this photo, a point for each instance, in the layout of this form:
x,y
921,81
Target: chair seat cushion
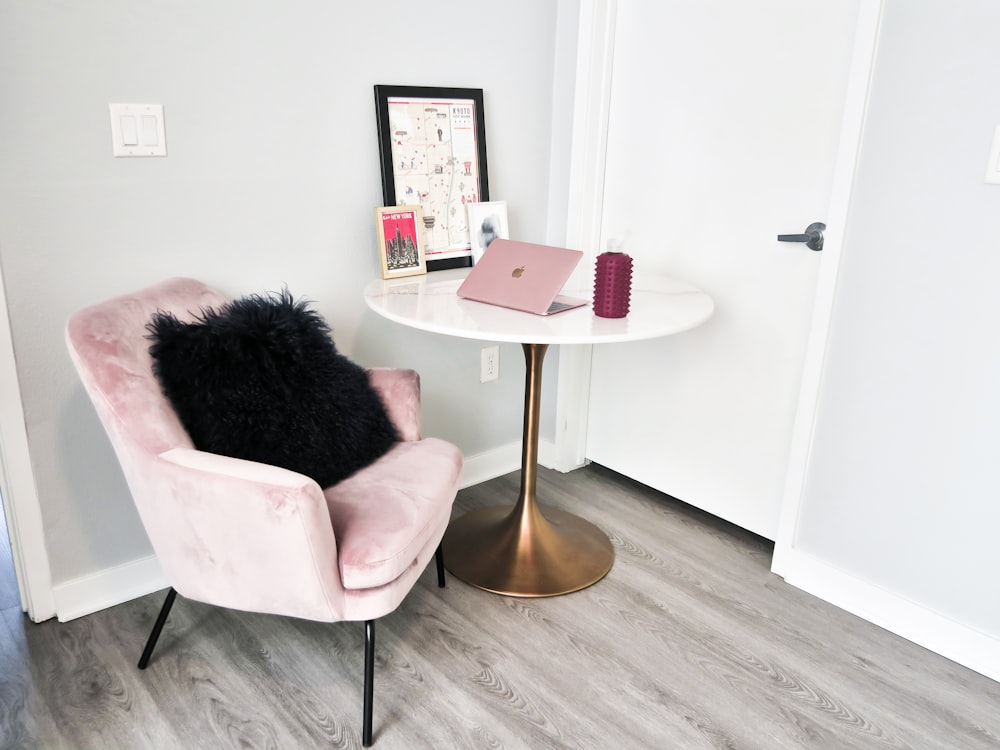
x,y
260,378
386,513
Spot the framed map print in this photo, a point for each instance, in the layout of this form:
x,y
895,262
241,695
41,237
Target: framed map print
x,y
432,147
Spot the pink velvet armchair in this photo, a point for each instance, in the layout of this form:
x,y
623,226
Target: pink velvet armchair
x,y
256,537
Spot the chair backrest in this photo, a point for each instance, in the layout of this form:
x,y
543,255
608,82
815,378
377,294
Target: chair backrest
x,y
109,347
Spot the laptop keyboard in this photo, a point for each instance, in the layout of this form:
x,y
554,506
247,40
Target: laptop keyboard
x,y
557,306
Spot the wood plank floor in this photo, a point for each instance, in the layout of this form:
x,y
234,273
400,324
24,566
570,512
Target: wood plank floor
x,y
690,642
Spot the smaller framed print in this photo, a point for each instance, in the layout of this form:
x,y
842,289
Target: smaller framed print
x,y
400,247
487,221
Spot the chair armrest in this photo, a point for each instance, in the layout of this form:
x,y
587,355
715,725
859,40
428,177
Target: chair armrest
x,y
274,477
243,534
399,389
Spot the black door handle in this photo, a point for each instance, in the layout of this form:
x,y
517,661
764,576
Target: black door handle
x,y
813,236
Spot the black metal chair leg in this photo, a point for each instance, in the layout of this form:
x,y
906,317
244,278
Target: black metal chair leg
x,y
366,728
161,619
439,559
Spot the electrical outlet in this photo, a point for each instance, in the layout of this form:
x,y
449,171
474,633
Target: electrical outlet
x,y
489,363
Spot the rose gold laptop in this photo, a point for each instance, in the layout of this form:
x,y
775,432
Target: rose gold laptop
x,y
523,276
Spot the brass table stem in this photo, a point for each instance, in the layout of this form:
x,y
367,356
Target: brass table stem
x,y
522,551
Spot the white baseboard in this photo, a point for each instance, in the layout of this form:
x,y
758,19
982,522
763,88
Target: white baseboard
x,y
954,640
122,583
108,587
489,465
503,460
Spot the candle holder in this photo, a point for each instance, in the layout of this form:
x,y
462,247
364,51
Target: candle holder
x,y
612,285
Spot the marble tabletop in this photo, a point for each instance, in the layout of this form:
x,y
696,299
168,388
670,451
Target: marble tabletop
x,y
660,306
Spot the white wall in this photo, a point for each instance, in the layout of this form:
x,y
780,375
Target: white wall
x,y
271,177
903,488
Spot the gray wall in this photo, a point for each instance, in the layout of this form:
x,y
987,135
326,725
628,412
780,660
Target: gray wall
x,y
904,486
271,178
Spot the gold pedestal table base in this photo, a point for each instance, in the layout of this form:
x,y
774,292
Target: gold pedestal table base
x,y
523,551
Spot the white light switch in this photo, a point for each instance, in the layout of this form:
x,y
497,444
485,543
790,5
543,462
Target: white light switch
x,y
138,130
150,134
130,134
993,165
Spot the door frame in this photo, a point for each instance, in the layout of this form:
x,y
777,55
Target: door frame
x,y
17,486
595,59
585,207
852,128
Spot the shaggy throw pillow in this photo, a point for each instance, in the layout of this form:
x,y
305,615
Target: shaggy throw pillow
x,y
261,379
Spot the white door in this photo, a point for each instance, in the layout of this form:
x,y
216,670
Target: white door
x,y
725,121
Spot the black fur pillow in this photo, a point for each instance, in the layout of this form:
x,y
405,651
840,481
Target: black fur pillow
x,y
261,379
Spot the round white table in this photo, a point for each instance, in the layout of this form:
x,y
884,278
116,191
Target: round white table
x,y
521,550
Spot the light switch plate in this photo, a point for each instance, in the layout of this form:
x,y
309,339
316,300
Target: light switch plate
x,y
138,130
993,166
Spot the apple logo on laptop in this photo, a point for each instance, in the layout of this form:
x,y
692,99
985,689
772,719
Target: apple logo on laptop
x,y
516,273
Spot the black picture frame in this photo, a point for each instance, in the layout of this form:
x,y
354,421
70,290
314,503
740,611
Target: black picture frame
x,y
410,158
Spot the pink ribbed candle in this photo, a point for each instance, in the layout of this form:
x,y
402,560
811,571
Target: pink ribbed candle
x,y
612,285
